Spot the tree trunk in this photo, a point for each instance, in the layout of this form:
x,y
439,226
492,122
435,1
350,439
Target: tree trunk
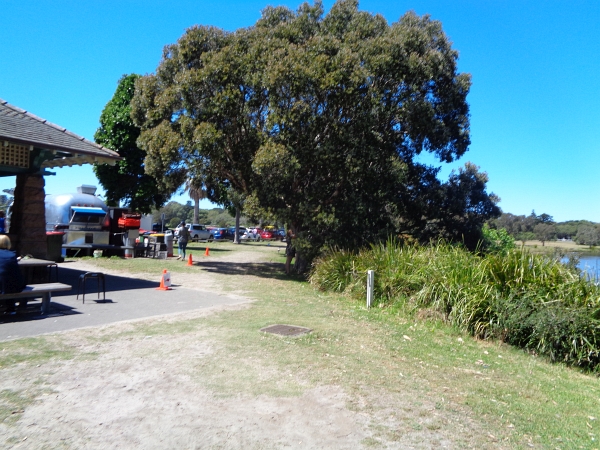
x,y
300,264
300,261
196,209
236,235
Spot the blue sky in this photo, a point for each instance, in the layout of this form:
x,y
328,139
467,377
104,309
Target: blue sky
x,y
535,68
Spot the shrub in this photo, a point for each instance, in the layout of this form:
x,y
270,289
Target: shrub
x,y
530,301
496,240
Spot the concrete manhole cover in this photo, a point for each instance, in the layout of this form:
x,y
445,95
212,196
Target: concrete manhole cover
x,y
286,330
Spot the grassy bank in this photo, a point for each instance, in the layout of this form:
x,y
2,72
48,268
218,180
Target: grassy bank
x,y
428,375
414,381
527,300
551,247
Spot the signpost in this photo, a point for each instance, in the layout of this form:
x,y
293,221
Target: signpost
x,y
370,282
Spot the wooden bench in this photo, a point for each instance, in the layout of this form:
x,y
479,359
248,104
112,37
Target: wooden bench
x,y
36,291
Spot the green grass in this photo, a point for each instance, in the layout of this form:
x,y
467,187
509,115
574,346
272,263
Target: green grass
x,y
217,251
32,351
518,398
527,300
427,374
14,402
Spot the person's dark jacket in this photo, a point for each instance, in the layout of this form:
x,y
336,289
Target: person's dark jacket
x,y
11,279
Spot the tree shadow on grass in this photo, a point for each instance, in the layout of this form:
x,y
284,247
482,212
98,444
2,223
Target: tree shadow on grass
x,y
269,270
199,247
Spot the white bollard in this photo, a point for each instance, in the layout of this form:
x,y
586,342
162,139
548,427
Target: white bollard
x,y
370,283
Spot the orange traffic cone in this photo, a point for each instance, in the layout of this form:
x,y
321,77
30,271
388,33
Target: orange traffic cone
x,y
206,253
190,261
165,281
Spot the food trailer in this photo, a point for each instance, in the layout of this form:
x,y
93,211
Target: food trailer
x,y
82,217
87,224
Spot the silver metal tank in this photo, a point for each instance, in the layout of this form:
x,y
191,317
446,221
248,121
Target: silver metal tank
x,y
83,217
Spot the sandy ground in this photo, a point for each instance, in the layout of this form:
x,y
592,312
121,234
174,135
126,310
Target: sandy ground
x,y
140,393
141,396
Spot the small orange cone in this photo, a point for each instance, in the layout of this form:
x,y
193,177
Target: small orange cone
x,y
165,281
190,260
206,253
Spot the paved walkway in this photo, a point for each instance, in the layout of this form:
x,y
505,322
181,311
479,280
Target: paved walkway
x,y
126,299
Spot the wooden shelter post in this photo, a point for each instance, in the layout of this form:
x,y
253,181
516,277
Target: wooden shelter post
x,y
28,219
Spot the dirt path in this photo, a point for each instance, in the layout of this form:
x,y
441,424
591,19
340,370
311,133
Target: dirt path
x,y
117,387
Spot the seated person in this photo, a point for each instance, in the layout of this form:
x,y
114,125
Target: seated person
x,y
11,279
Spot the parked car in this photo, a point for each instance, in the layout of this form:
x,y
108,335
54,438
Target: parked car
x,y
199,233
242,231
271,234
267,235
252,234
221,234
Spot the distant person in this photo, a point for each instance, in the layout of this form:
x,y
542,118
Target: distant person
x,y
183,236
2,222
11,279
290,251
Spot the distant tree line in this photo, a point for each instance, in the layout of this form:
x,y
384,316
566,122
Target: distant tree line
x,y
544,228
175,212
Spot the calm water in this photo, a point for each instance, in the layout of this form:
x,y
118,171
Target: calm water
x,y
590,264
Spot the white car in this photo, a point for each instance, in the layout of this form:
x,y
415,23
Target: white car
x,y
250,235
199,233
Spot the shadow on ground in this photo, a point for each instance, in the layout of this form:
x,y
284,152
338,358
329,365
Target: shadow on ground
x,y
263,269
32,311
113,282
93,293
199,247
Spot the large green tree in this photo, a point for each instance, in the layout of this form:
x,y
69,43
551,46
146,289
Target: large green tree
x,y
462,209
203,112
127,182
316,120
352,102
588,235
544,232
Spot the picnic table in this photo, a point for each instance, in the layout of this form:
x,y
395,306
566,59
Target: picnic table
x,y
30,269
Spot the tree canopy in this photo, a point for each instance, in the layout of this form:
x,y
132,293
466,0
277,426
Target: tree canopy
x,y
588,235
126,181
317,120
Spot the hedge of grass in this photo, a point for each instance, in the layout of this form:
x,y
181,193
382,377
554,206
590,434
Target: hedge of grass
x,y
527,300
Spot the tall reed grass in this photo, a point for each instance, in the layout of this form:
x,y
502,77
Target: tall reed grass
x,y
527,300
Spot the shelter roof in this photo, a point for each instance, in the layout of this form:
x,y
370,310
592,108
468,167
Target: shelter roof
x,y
62,147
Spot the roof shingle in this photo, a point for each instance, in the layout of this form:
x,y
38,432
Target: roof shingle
x,y
20,126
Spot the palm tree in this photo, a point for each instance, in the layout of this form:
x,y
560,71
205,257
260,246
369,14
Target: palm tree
x,y
196,193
